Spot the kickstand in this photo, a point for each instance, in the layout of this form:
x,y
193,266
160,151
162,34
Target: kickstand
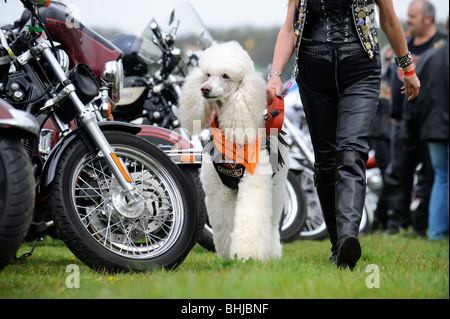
x,y
29,253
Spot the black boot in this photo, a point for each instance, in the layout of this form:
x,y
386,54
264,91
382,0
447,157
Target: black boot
x,y
325,183
349,252
350,197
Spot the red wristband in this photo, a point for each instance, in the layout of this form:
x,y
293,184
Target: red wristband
x,y
409,73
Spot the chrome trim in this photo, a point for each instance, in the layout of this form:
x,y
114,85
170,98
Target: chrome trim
x,y
63,59
45,141
189,156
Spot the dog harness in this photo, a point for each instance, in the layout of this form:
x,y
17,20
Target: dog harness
x,y
230,159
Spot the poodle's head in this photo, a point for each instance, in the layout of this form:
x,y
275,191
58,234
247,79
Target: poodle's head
x,y
224,66
227,84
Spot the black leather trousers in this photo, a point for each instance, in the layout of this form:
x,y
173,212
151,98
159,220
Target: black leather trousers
x,y
339,87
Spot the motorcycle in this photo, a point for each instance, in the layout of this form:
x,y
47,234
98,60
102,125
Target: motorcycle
x,y
116,200
155,65
155,68
17,193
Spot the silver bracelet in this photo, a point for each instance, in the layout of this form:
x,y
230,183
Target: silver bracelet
x,y
272,74
404,61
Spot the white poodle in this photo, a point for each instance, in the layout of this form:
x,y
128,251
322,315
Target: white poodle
x,y
244,195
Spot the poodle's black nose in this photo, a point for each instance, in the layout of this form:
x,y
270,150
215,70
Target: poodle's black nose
x,y
205,90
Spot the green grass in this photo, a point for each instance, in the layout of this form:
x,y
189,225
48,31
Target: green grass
x,y
408,268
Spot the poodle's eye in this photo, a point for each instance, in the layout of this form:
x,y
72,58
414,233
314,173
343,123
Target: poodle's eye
x,y
208,75
225,76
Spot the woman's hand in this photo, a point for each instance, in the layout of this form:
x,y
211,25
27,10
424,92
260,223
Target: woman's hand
x,y
411,86
392,28
273,87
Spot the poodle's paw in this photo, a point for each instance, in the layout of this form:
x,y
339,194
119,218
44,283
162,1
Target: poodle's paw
x,y
276,251
254,251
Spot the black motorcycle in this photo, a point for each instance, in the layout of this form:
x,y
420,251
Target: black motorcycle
x,y
116,200
155,65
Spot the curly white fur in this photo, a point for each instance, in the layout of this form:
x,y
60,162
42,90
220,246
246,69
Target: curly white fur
x,y
245,222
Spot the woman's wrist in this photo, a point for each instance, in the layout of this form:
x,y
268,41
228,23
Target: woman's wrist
x,y
404,61
272,74
409,70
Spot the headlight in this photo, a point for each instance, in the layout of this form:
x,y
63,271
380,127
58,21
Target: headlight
x,y
113,75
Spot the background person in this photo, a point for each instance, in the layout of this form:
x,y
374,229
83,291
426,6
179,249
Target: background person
x,y
407,153
427,119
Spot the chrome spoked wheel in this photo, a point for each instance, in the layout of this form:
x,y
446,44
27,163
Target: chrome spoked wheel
x,y
97,197
314,227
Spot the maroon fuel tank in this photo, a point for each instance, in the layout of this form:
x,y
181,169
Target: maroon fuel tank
x,y
82,44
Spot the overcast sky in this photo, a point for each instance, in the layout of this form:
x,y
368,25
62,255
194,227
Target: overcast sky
x,y
133,15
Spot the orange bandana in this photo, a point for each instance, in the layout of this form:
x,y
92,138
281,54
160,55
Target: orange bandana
x,y
246,155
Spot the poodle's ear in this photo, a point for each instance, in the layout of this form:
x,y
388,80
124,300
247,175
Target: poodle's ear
x,y
194,111
252,89
247,107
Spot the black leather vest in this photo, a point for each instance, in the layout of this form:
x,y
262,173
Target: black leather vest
x,y
330,22
336,21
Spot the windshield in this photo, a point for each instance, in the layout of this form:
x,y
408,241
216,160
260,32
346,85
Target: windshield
x,y
191,34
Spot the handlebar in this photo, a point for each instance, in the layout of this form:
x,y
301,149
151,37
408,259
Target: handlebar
x,y
156,31
40,3
162,40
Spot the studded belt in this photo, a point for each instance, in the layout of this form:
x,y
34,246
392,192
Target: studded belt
x,y
330,51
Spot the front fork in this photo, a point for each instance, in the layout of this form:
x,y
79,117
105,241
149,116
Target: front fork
x,y
89,121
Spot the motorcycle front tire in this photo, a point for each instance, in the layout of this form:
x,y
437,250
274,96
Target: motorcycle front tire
x,y
17,197
105,240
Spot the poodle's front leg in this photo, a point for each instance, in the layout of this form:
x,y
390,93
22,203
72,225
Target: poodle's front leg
x,y
219,200
252,235
221,211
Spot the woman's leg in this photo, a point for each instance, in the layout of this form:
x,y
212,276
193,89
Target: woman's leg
x,y
340,104
358,99
319,98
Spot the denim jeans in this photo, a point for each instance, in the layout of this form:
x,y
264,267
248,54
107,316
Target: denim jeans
x,y
439,202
